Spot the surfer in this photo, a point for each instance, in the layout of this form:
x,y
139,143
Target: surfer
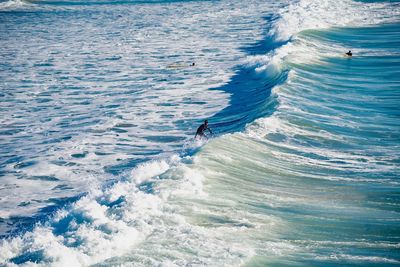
x,y
349,53
202,128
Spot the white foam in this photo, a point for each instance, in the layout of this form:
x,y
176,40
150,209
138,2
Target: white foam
x,y
308,14
12,4
148,170
124,219
108,232
109,111
98,231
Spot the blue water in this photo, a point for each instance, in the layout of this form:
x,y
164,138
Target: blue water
x,y
99,105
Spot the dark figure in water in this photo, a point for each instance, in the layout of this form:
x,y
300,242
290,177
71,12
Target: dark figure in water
x,y
193,64
349,53
202,128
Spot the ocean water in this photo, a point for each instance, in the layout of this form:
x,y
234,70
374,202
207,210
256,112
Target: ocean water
x,y
99,105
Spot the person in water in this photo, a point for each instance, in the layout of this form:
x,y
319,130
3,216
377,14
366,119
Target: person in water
x,y
202,128
349,53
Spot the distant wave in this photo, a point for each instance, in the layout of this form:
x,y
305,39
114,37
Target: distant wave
x,y
12,4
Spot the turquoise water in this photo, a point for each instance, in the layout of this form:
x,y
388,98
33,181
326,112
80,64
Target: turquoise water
x,y
316,183
98,162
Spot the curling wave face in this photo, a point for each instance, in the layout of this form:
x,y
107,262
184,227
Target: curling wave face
x,y
314,181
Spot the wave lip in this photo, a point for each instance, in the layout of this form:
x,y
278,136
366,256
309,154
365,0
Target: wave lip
x,y
306,14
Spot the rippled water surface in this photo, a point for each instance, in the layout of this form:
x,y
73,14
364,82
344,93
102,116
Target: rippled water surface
x,y
90,91
99,103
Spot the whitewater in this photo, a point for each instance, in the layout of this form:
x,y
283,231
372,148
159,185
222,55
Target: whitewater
x,y
99,104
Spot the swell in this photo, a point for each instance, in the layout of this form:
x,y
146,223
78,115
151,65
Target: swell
x,y
132,207
250,89
266,65
316,182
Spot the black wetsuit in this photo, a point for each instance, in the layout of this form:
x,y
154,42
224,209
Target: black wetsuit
x,y
202,128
